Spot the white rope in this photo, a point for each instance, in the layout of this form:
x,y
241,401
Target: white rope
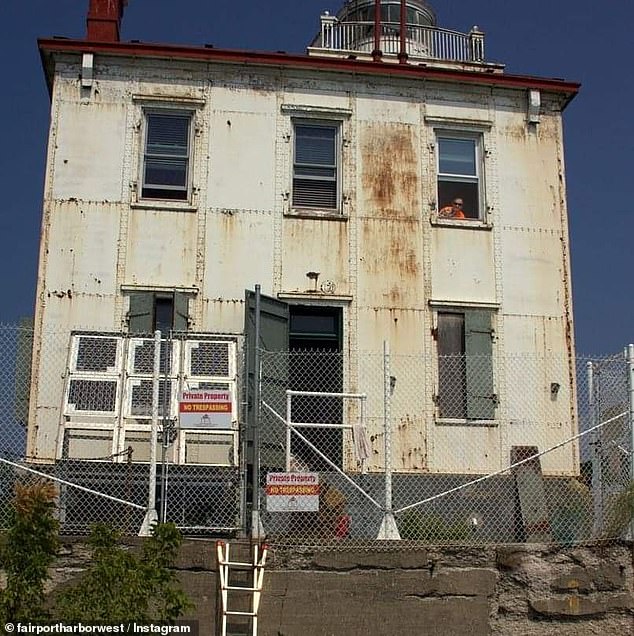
x,y
505,470
68,483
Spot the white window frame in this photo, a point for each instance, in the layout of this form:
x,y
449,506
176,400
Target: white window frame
x,y
477,178
336,125
187,190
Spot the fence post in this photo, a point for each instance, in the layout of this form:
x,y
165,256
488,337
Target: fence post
x,y
597,468
150,515
388,529
328,23
629,354
289,416
257,530
476,45
166,427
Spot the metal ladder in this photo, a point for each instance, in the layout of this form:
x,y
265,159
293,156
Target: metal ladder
x,y
228,589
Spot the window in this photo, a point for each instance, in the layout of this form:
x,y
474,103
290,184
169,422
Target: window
x,y
465,365
459,176
315,165
166,157
164,311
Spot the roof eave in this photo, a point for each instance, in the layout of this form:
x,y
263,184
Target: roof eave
x,y
50,46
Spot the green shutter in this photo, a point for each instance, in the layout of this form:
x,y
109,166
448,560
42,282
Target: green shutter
x,y
481,398
181,311
141,313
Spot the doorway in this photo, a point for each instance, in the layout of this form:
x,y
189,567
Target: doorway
x,y
315,343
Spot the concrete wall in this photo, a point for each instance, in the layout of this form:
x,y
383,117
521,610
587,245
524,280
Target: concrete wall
x,y
513,590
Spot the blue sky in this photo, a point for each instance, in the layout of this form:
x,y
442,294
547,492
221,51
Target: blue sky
x,y
578,40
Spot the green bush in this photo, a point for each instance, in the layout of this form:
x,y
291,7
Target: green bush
x,y
27,550
120,586
432,528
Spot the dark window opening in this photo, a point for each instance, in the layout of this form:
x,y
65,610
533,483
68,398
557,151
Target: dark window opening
x,y
316,365
150,311
163,313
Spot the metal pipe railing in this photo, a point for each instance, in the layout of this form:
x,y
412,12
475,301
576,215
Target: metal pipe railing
x,y
419,41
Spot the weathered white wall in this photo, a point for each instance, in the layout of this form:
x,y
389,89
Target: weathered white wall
x,y
387,257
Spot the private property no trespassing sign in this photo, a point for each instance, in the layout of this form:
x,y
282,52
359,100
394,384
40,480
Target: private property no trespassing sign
x,y
205,409
292,492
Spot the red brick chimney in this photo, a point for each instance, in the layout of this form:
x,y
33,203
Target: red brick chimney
x,y
104,20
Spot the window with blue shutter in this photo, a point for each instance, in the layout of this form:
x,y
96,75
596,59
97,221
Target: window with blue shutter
x,y
315,166
167,156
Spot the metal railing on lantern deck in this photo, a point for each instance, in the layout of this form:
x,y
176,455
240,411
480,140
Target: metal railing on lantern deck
x,y
421,41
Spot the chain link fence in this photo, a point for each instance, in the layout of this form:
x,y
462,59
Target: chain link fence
x,y
352,449
84,408
475,450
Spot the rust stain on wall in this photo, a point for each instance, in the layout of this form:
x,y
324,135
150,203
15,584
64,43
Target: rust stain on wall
x,y
390,170
391,251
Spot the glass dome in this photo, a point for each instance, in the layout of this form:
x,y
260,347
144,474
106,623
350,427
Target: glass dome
x,y
418,12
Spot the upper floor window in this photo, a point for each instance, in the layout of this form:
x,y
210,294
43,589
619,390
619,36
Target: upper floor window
x,y
316,165
166,159
459,177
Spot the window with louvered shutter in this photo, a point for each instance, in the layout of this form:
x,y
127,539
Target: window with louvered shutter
x,y
315,165
167,155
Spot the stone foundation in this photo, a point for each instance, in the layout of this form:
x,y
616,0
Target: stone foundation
x,y
503,591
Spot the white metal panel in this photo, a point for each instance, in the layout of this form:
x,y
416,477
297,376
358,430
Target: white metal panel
x,y
529,168
224,315
402,327
66,311
239,253
88,443
87,265
139,440
90,144
312,245
389,235
465,449
235,98
532,273
462,265
161,248
217,449
242,172
464,104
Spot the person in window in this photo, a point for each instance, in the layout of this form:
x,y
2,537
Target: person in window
x,y
453,211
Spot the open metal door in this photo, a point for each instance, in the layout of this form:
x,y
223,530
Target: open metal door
x,y
262,428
